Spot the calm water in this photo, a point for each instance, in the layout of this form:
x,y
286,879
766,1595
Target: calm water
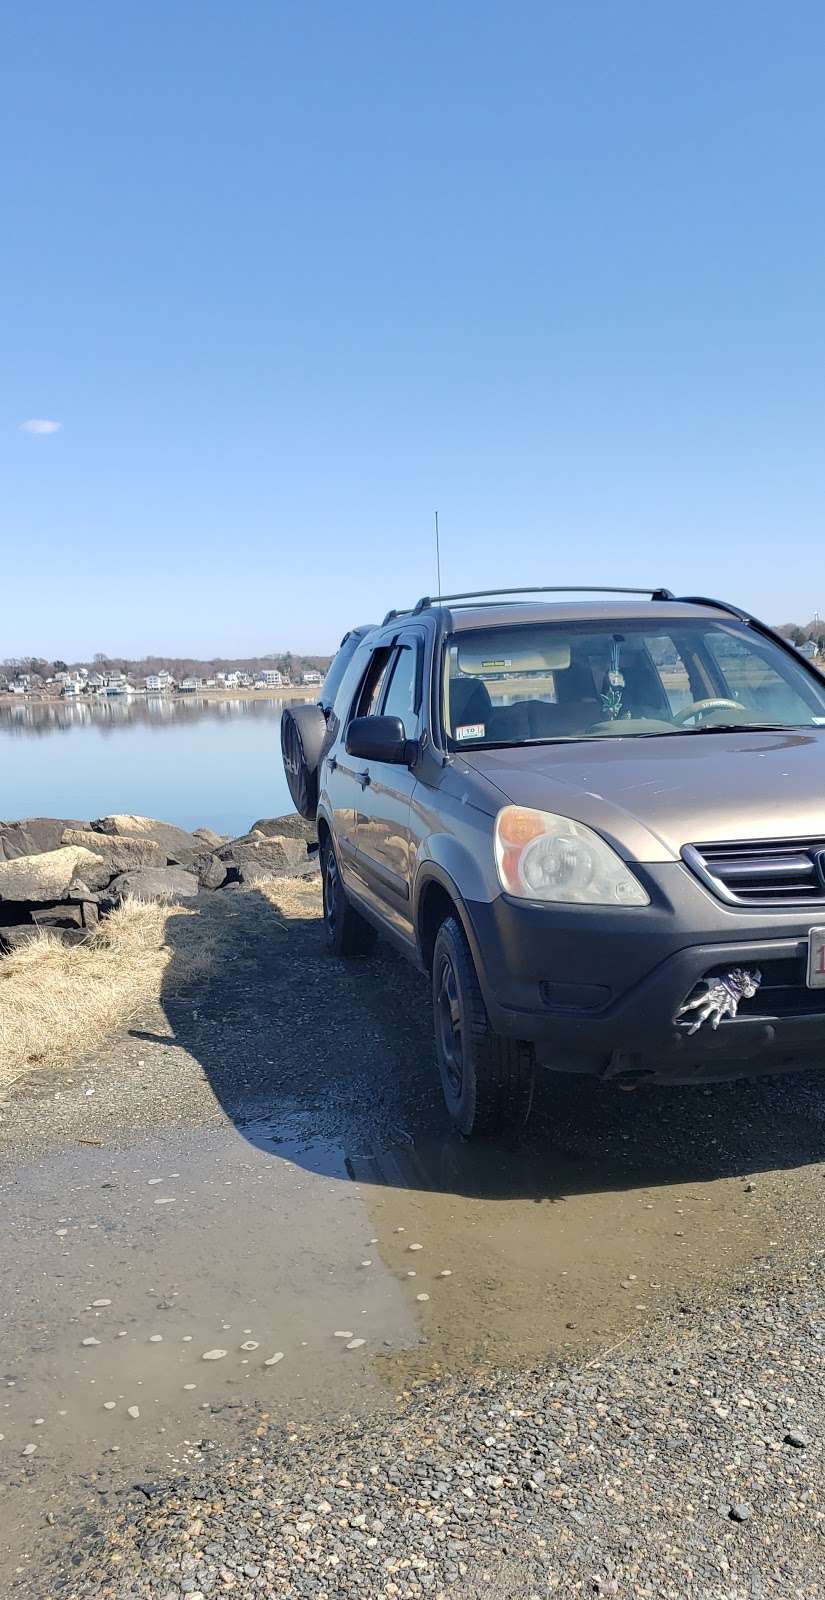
x,y
189,761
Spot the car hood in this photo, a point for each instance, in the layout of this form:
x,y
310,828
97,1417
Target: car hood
x,y
652,796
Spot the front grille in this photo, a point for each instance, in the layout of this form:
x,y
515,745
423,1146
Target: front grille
x,y
767,872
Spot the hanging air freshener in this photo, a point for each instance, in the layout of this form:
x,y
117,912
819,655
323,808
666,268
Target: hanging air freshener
x,y
613,696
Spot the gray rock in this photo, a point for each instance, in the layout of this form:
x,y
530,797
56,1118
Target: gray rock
x,y
80,891
155,883
176,842
60,916
210,869
800,1441
33,836
210,837
14,841
46,877
740,1511
289,827
265,858
120,853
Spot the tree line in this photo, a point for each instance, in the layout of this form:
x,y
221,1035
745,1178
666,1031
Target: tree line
x,y
287,662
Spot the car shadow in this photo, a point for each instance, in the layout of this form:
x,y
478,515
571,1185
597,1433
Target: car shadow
x,y
307,1054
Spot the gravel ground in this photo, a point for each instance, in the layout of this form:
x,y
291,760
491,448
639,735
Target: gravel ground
x,y
614,1474
687,1464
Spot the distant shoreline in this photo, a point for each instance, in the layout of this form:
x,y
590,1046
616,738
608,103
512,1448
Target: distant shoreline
x,y
297,691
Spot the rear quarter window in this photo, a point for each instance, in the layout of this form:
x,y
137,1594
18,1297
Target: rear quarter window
x,y
338,667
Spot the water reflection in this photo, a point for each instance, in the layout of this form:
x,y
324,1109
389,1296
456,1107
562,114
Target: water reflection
x,y
188,759
118,711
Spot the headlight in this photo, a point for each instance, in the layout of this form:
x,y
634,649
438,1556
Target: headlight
x,y
540,856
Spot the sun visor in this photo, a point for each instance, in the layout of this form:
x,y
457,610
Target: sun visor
x,y
543,656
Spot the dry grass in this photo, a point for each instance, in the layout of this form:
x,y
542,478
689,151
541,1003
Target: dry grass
x,y
299,899
59,1001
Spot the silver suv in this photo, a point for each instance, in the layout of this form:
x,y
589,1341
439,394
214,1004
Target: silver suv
x,y
599,826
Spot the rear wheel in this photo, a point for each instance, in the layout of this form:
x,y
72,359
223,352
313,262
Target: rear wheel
x,y
487,1080
348,933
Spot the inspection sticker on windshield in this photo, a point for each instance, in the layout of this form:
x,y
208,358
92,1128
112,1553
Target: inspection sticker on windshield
x,y
470,730
495,666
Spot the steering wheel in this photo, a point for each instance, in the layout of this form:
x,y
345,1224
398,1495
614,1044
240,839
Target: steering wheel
x,y
700,706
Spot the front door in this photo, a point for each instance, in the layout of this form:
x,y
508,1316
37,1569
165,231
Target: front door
x,y
382,830
344,777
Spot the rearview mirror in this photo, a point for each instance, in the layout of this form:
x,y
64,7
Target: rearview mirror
x,y
379,739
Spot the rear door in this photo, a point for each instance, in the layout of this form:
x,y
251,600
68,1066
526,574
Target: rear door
x,y
383,833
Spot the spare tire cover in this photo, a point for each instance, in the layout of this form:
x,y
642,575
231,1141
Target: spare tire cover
x,y
303,732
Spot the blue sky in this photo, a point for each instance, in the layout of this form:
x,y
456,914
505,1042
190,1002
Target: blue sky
x,y
291,277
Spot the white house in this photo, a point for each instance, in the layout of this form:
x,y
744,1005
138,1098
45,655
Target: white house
x,y
159,682
119,684
312,676
190,685
271,678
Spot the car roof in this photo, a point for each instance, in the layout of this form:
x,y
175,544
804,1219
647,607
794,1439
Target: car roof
x,y
461,619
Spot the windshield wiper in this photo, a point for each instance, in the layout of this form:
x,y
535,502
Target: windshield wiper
x,y
749,727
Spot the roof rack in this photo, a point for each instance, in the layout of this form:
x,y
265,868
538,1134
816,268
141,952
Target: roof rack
x,y
716,605
561,588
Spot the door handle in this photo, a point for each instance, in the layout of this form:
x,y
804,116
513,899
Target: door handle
x,y
332,764
363,778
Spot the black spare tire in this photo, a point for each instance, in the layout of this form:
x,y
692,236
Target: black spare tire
x,y
303,732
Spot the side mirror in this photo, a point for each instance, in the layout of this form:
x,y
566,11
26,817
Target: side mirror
x,y
379,739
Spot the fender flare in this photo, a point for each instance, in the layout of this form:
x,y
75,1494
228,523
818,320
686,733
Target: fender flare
x,y
433,872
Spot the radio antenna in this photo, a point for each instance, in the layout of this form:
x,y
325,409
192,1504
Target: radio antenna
x,y
437,556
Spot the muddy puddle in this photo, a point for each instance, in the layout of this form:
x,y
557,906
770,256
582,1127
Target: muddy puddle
x,y
316,1279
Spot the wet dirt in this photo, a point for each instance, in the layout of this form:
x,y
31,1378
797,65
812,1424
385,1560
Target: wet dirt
x,y
295,1153
261,1243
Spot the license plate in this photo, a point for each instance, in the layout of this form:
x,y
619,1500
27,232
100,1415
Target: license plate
x,y
816,958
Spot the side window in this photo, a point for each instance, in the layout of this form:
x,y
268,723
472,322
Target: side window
x,y
753,680
369,696
401,694
671,670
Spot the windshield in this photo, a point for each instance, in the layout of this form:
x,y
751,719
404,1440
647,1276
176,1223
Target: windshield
x,y
546,681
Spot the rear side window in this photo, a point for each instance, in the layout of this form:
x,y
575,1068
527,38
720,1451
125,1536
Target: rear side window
x,y
401,694
369,696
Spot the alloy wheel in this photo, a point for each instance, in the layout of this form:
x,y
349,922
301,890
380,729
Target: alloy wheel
x,y
450,1035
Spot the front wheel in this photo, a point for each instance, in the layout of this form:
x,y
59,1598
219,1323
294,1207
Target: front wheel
x,y
487,1080
348,934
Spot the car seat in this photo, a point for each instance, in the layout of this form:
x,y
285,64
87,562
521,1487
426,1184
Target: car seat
x,y
469,702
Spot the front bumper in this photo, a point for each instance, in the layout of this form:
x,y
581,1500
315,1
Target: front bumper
x,y
597,988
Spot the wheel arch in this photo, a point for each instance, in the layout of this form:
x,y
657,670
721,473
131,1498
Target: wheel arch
x,y
438,898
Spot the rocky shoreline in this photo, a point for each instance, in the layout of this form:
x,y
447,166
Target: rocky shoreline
x,y
63,875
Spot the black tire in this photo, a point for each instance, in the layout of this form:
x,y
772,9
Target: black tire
x,y
487,1080
348,933
303,732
